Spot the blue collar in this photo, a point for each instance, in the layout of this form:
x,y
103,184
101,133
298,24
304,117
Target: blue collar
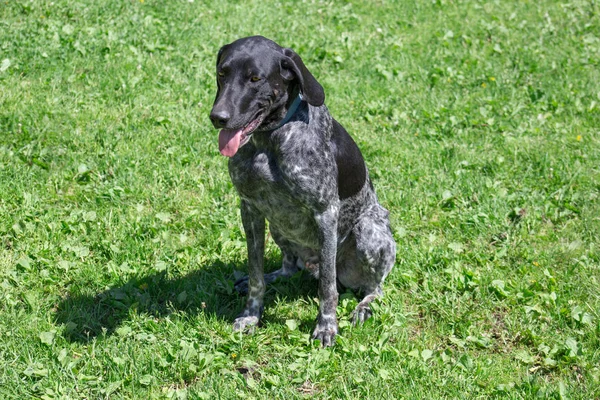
x,y
291,111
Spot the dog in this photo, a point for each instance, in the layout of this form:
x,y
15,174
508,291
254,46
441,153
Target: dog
x,y
295,166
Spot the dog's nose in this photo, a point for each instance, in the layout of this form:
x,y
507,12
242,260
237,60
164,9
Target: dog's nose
x,y
219,118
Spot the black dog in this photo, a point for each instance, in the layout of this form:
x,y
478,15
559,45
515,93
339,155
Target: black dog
x,y
295,166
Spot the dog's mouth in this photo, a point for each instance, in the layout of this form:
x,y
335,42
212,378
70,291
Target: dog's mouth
x,y
230,140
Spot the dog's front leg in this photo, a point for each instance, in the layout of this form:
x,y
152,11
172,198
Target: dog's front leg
x,y
254,226
327,326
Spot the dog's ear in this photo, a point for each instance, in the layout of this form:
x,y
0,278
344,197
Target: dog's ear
x,y
221,51
292,68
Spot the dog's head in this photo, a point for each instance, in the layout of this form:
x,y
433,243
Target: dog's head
x,y
257,82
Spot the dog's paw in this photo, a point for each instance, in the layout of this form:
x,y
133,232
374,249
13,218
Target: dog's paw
x,y
325,332
360,314
241,324
241,285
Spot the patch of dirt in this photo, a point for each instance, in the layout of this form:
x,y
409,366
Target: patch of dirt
x,y
308,388
247,372
499,332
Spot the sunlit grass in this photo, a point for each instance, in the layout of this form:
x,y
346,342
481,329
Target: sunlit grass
x,y
120,235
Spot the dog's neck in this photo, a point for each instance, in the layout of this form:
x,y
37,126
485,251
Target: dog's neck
x,y
291,111
260,138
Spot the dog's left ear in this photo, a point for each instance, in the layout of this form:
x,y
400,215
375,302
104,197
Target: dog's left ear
x,y
293,67
221,51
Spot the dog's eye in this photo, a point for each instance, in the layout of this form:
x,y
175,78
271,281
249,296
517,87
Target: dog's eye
x,y
255,79
221,74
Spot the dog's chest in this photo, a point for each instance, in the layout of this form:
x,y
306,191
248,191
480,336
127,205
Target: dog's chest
x,y
279,192
254,173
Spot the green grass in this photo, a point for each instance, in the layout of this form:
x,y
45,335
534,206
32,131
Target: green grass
x,y
120,234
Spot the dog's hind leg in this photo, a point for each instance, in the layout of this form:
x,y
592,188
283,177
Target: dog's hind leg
x,y
289,267
376,251
363,312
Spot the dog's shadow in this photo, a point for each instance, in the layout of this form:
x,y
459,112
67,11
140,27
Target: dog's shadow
x,y
208,289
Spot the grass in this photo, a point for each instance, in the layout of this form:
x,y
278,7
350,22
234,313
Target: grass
x,y
120,234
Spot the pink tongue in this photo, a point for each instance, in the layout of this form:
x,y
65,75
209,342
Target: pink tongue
x,y
229,141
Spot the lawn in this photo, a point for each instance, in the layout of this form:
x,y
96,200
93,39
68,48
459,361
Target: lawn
x,y
120,234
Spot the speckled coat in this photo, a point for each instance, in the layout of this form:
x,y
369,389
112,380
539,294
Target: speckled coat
x,y
308,179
